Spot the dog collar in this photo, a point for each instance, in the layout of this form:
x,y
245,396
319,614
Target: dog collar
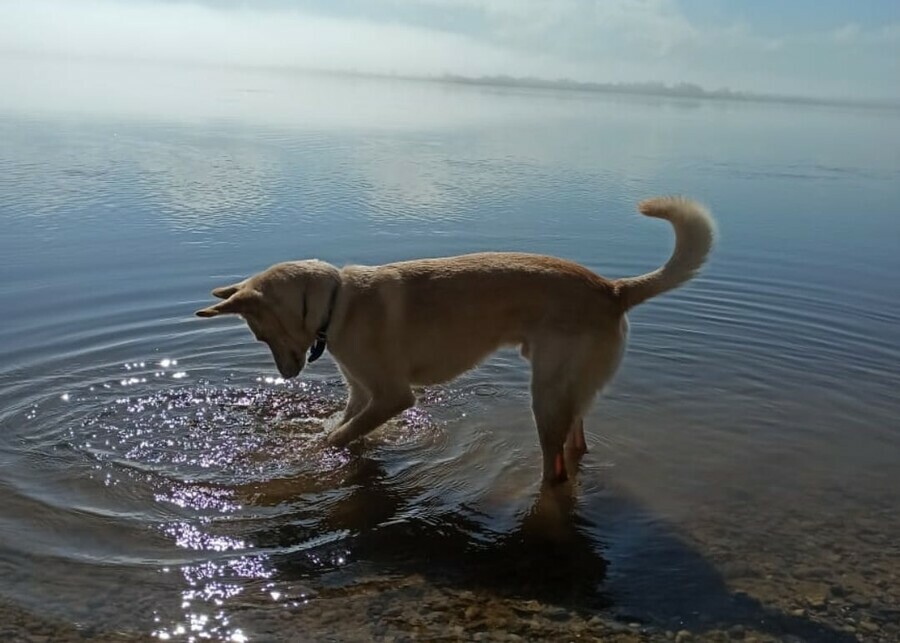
x,y
318,347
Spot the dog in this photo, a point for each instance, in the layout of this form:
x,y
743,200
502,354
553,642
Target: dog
x,y
426,321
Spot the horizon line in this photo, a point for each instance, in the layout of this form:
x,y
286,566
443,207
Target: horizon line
x,y
681,89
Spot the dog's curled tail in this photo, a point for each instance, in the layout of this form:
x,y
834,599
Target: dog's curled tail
x,y
694,233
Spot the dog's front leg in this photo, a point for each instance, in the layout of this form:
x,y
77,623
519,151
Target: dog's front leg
x,y
380,409
357,399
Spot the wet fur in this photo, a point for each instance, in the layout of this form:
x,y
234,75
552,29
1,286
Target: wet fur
x,y
426,321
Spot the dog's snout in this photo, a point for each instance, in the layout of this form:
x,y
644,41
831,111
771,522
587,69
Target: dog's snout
x,y
287,361
288,371
289,367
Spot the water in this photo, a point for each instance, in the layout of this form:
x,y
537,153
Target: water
x,y
158,480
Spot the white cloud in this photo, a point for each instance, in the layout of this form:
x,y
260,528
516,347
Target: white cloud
x,y
601,40
852,34
246,37
847,33
890,33
655,24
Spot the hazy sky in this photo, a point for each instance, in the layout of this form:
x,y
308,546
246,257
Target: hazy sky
x,y
838,48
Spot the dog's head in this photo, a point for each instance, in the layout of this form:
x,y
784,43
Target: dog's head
x,y
284,306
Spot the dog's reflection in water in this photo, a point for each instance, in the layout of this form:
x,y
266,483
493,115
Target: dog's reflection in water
x,y
551,552
394,525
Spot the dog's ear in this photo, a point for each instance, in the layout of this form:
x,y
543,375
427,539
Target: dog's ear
x,y
241,301
226,291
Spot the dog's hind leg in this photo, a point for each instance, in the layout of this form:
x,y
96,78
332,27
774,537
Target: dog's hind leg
x,y
562,385
553,417
575,441
555,411
576,446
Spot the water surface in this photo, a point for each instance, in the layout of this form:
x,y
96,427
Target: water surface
x,y
158,479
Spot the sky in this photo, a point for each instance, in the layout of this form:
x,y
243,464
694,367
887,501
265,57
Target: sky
x,y
822,48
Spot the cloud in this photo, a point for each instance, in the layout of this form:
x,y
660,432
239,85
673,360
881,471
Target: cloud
x,y
245,37
610,40
599,40
847,33
563,25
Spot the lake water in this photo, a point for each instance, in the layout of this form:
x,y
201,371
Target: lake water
x,y
157,480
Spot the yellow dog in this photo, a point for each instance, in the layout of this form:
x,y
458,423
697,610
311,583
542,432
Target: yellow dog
x,y
426,321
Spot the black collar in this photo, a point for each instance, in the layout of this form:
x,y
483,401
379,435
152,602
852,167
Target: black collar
x,y
318,347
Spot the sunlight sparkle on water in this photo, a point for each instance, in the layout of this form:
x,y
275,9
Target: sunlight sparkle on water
x,y
189,537
199,497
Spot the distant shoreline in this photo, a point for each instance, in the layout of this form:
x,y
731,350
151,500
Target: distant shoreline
x,y
659,89
677,90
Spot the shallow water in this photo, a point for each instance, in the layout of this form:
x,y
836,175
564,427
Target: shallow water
x,y
158,479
